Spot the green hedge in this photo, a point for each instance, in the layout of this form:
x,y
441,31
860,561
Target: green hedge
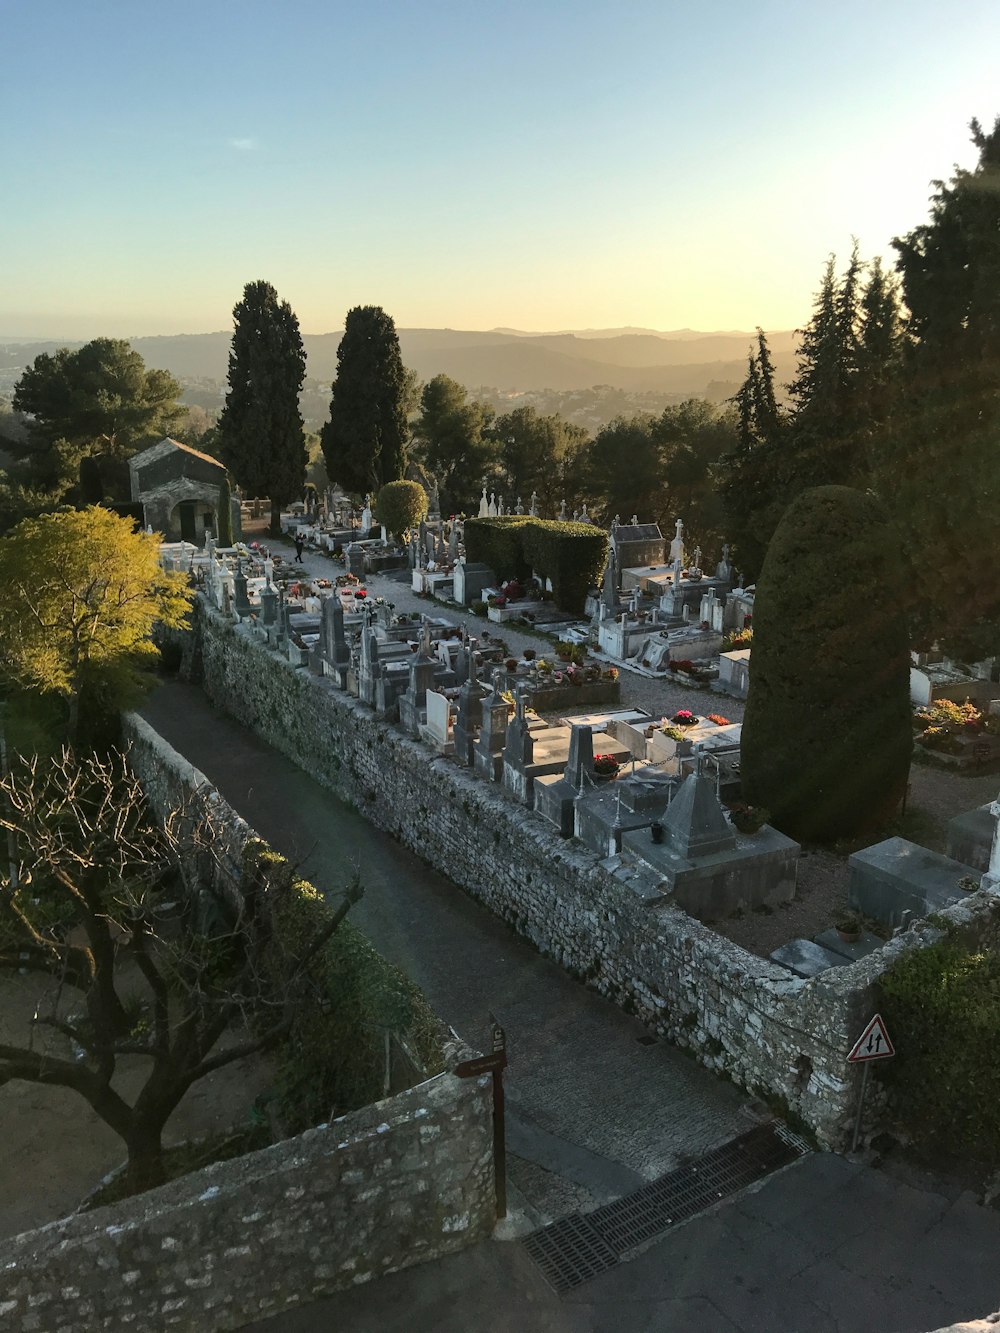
x,y
571,555
942,1009
498,542
333,1060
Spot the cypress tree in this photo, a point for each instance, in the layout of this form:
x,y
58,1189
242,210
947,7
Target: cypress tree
x,y
364,441
827,735
260,435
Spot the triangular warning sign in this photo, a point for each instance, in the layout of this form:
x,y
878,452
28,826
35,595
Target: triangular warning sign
x,y
873,1044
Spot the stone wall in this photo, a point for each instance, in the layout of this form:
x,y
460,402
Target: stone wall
x,y
605,922
400,1182
404,1181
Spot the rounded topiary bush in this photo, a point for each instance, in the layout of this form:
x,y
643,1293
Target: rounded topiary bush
x,y
827,737
401,505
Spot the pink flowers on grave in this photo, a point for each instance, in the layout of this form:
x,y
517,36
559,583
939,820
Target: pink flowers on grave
x,y
684,718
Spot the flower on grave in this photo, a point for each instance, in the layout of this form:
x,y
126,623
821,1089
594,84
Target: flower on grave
x,y
544,667
718,719
611,673
498,599
684,718
605,765
748,818
557,677
672,733
359,594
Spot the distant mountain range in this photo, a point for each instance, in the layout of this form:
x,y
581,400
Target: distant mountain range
x,y
683,362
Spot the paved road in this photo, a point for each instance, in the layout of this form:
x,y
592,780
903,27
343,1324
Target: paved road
x,y
594,1112
826,1246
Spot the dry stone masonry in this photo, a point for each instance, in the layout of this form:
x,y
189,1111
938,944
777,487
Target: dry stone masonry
x,y
608,923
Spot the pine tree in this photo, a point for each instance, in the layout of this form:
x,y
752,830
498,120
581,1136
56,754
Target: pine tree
x,y
364,441
937,462
260,435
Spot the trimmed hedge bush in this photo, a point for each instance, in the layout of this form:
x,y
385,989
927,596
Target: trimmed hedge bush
x,y
401,505
333,1060
827,737
571,555
497,542
942,1009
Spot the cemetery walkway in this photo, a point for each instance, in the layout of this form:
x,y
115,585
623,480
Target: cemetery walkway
x,y
594,1111
660,698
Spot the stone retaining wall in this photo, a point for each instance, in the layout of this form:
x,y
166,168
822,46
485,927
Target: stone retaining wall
x,y
605,922
400,1182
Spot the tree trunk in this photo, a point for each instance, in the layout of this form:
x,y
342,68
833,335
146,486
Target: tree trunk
x,y
145,1169
275,529
73,718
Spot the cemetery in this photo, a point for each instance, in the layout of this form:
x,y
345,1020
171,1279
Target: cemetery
x,y
623,835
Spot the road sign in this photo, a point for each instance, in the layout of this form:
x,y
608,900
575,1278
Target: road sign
x,y
482,1064
873,1044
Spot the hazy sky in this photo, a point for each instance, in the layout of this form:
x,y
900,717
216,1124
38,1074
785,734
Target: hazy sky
x,y
539,164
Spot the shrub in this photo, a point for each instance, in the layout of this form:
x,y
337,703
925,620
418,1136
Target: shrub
x,y
827,734
401,505
571,555
478,608
942,1007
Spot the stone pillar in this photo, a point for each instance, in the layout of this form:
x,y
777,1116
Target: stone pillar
x,y
991,880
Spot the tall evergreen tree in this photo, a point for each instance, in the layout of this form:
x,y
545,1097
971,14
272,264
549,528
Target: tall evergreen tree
x,y
938,463
260,436
364,441
767,418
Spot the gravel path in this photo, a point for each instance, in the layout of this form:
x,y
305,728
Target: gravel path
x,y
935,794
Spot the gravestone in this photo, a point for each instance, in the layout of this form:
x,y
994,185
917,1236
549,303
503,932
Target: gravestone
x,y
436,731
492,737
469,719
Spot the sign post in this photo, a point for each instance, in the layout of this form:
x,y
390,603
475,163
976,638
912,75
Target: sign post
x,y
873,1044
494,1063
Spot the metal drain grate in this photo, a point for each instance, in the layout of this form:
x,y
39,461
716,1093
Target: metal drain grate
x,y
580,1247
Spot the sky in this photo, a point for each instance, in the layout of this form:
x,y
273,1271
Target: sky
x,y
540,164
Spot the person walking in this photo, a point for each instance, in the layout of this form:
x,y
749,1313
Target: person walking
x,y
299,548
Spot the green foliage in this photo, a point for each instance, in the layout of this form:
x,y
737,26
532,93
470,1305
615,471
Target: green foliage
x,y
535,453
224,518
942,1006
364,441
827,736
572,555
100,396
497,542
80,591
260,436
449,438
936,457
400,506
334,1057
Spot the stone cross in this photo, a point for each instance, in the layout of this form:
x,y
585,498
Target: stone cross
x,y
519,507
635,520
533,508
562,511
484,505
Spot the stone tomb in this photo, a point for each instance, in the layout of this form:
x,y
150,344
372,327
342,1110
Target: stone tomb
x,y
898,876
970,836
710,869
470,581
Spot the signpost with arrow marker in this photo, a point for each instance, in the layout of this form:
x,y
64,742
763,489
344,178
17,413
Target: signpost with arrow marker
x,y
873,1044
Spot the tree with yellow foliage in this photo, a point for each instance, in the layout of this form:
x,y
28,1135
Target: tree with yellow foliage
x,y
80,592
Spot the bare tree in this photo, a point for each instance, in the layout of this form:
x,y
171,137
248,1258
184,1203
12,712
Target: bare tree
x,y
102,898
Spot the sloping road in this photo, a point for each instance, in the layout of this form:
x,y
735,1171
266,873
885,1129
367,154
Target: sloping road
x,y
594,1111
